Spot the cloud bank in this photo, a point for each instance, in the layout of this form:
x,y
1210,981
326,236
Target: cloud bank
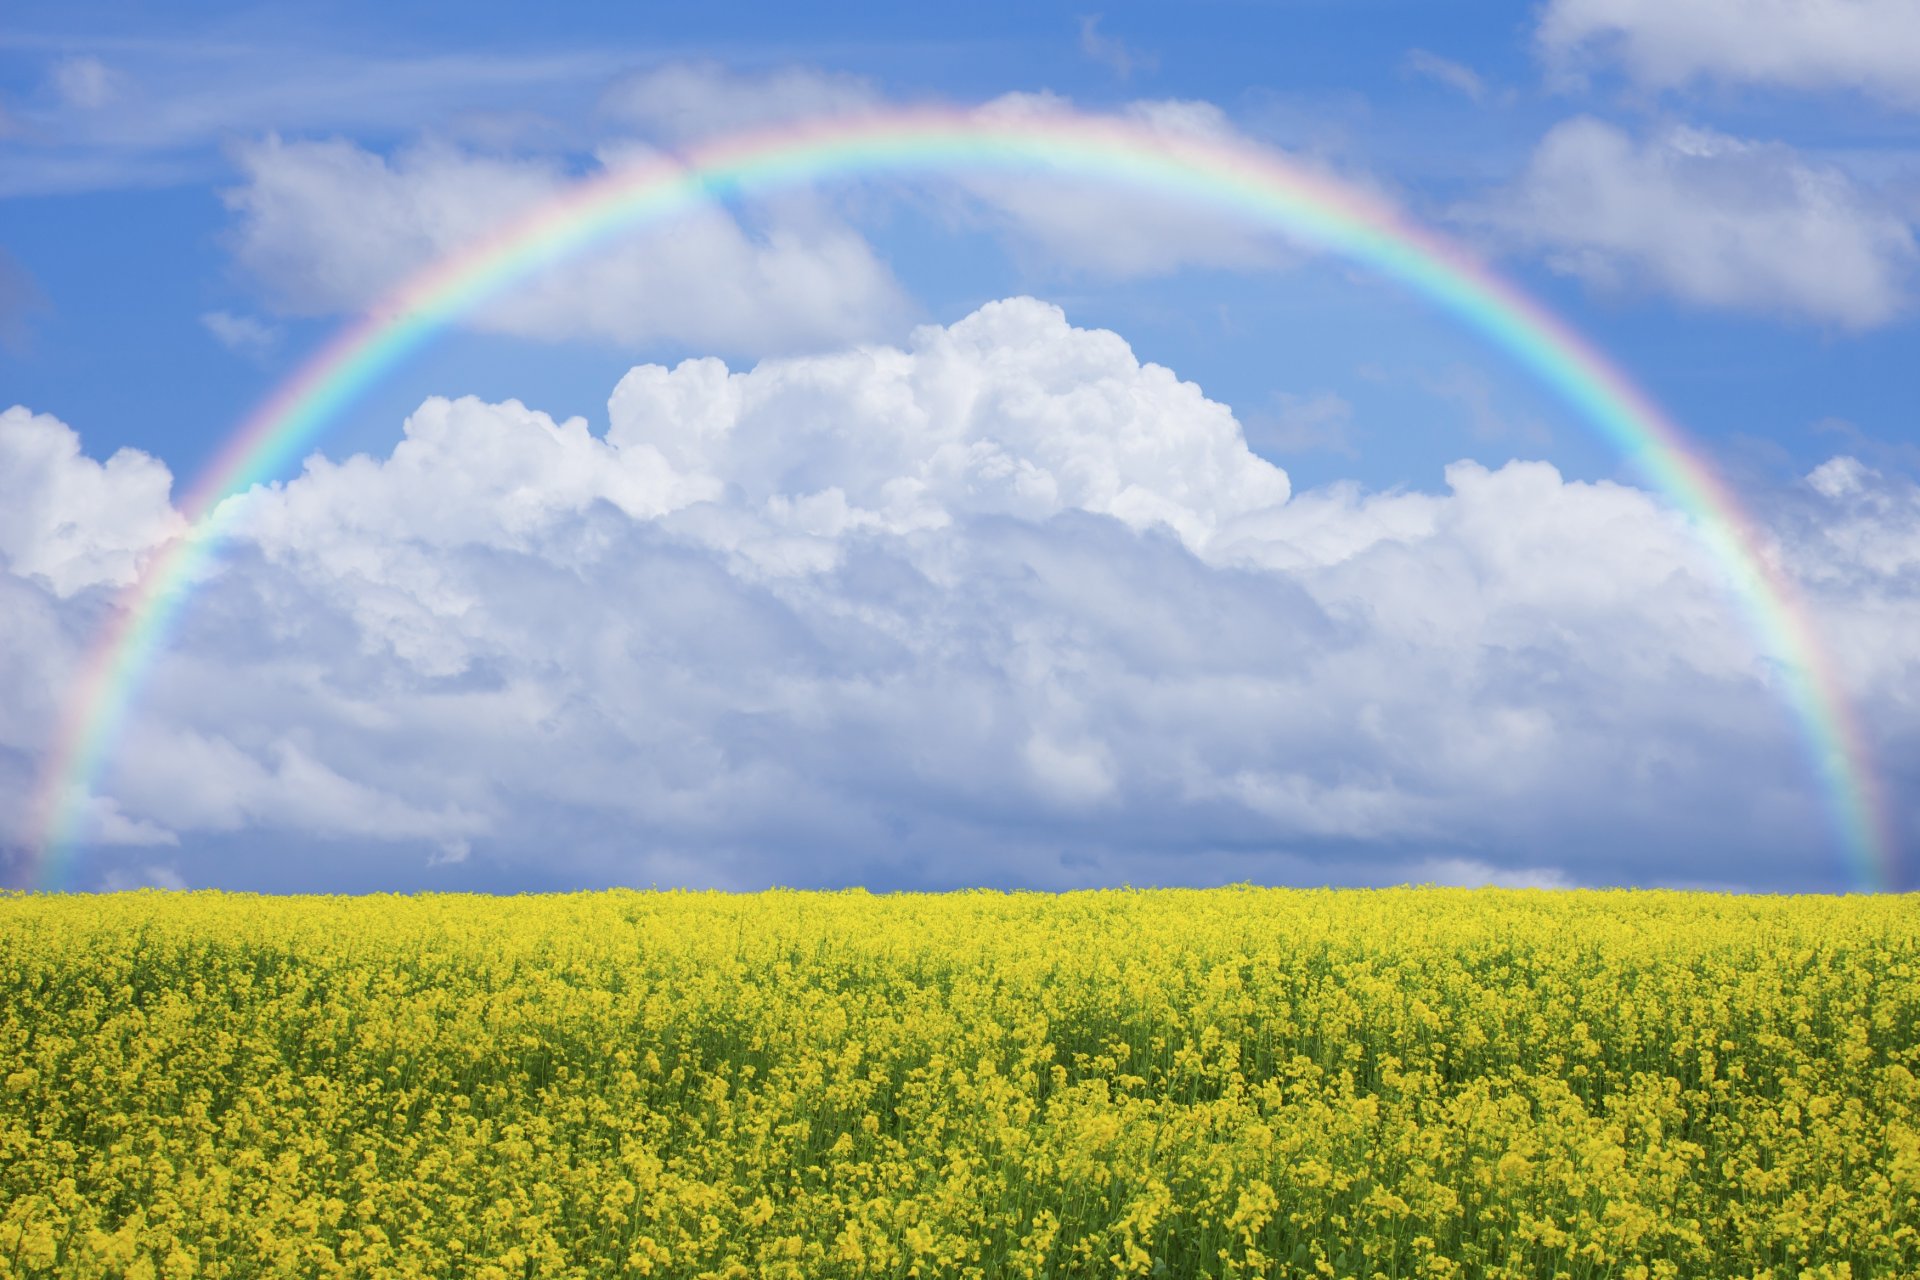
x,y
1001,605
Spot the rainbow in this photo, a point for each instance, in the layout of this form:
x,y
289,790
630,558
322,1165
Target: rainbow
x,y
1310,207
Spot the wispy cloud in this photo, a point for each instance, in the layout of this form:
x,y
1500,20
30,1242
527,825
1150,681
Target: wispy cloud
x,y
678,102
246,334
1459,77
1111,52
163,112
1317,423
20,298
85,82
1870,46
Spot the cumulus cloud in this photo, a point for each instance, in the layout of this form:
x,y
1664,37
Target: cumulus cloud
x,y
1001,605
329,227
1714,220
70,521
1867,45
73,531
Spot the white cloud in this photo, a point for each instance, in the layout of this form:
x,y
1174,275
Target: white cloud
x,y
150,876
69,520
1112,52
683,101
329,227
103,823
1003,605
1059,224
163,111
1462,79
450,853
1067,224
1714,220
1867,45
246,334
85,82
1856,544
186,779
1011,411
1467,873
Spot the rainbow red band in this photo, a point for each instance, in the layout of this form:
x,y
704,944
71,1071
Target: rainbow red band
x,y
1266,188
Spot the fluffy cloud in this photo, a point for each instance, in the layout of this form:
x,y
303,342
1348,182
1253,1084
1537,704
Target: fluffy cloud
x,y
1003,605
72,532
1869,45
329,227
1715,220
72,522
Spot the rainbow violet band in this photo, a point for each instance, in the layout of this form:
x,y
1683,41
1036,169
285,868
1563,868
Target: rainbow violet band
x,y
1265,188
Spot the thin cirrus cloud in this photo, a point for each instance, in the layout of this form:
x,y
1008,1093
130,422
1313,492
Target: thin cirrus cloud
x,y
1003,604
157,112
1714,220
1870,46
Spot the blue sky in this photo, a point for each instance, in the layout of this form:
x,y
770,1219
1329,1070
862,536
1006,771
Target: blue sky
x,y
1454,639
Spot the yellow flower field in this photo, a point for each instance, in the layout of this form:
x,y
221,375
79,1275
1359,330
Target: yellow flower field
x,y
1235,1082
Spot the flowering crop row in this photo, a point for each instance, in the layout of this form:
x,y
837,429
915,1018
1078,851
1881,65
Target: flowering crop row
x,y
1237,1082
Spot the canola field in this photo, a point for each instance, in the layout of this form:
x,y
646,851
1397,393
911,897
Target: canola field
x,y
1236,1082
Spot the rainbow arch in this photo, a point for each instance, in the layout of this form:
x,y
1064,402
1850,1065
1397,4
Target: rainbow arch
x,y
1266,188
